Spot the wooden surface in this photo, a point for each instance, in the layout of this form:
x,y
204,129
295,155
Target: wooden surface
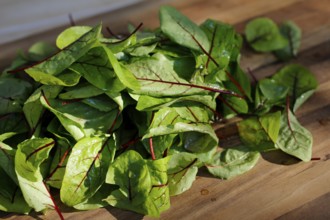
x,y
279,187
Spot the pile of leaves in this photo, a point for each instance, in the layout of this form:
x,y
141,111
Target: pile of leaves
x,y
128,122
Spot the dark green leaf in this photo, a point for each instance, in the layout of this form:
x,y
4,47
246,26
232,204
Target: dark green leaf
x,y
263,35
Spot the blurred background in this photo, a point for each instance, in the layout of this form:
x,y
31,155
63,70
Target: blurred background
x,y
21,18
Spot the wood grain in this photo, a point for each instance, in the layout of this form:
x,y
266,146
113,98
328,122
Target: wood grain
x,y
279,187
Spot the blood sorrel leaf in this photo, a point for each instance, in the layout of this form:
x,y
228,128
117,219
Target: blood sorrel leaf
x,y
223,41
293,34
300,81
7,161
293,138
181,172
11,198
81,91
79,119
11,125
122,72
181,30
68,55
159,76
29,156
149,103
70,35
260,133
33,109
98,199
232,162
268,94
58,165
197,137
96,68
130,172
263,35
86,169
40,51
13,93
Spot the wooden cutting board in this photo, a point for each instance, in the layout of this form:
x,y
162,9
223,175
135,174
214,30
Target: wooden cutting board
x,y
279,187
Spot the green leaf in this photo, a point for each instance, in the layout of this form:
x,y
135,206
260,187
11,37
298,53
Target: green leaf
x,y
29,156
149,103
13,93
122,72
294,139
293,34
11,198
181,30
63,59
33,109
197,137
98,199
182,170
7,161
95,67
40,51
70,35
160,76
130,172
263,35
86,169
232,162
300,81
81,91
260,133
79,119
59,162
223,42
11,125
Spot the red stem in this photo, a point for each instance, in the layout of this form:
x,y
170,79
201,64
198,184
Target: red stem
x,y
152,149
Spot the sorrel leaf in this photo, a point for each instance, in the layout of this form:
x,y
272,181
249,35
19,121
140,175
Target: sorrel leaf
x,y
232,162
263,35
181,172
28,159
68,55
11,198
96,68
7,161
86,169
300,82
293,34
181,30
293,138
260,133
79,119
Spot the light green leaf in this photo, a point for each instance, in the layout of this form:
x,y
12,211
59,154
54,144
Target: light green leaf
x,y
63,59
81,120
70,35
182,170
29,156
232,162
86,169
294,139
